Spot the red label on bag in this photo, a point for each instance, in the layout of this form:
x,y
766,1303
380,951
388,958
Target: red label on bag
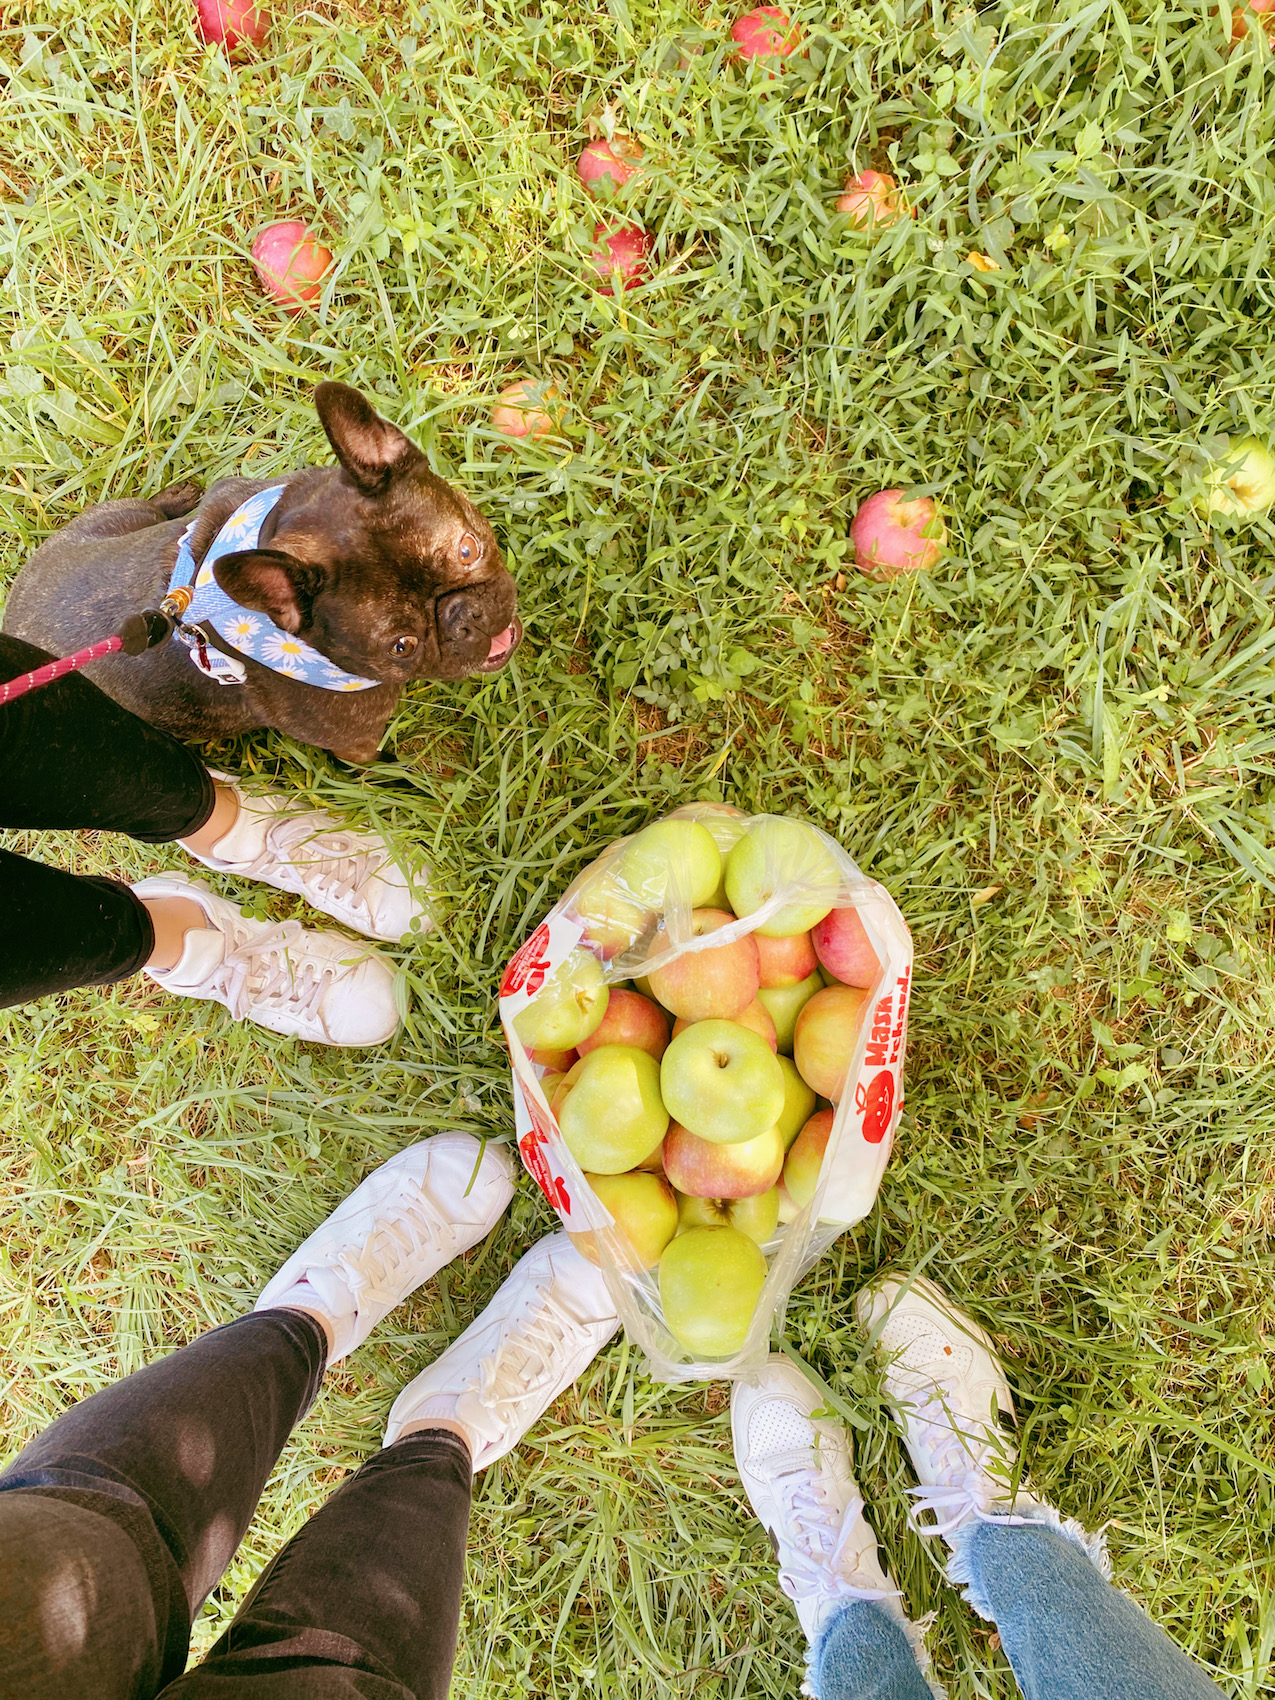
x,y
528,965
553,1188
876,1103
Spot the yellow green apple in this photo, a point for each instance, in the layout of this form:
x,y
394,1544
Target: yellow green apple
x,y
801,1168
567,1008
775,853
610,1110
785,1003
645,1212
758,1217
799,1103
668,856
722,1082
1243,482
710,1281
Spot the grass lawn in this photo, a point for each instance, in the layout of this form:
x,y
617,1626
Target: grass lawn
x,y
1055,751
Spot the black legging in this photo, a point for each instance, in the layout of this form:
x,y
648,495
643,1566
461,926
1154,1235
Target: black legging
x,y
71,757
117,1522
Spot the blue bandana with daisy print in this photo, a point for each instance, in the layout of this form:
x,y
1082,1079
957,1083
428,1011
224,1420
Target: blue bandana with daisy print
x,y
246,631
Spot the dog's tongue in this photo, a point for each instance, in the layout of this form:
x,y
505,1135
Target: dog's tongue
x,y
501,644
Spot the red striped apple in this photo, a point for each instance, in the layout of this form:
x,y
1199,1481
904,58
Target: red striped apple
x,y
786,961
702,1169
843,949
291,263
711,984
607,166
633,1020
825,1037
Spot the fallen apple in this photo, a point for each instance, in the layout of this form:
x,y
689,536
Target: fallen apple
x,y
722,1082
893,536
805,1159
633,1020
767,32
842,947
667,858
869,200
786,961
609,1109
620,258
568,1006
229,23
702,1169
758,1217
529,408
825,1037
710,1281
291,263
776,854
784,1004
607,166
645,1212
715,983
799,1103
1243,483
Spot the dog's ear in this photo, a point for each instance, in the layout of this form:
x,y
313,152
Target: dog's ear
x,y
370,449
272,583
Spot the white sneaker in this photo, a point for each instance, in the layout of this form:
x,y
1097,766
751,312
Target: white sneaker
x,y
545,1325
796,1471
948,1389
349,875
400,1226
310,985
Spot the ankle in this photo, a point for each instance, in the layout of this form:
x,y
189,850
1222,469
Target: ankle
x,y
448,1424
225,814
171,919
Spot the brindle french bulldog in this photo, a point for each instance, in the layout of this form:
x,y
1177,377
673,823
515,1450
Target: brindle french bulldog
x,y
378,564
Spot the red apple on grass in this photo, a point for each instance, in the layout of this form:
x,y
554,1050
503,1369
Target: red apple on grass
x,y
702,1169
826,1033
801,1170
758,1217
609,1109
778,854
893,536
722,1082
710,1281
710,984
786,961
528,408
767,32
870,201
842,947
621,257
645,1212
784,1004
232,22
291,263
633,1020
605,167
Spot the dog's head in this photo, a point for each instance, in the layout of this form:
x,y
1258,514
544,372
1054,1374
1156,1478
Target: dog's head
x,y
380,565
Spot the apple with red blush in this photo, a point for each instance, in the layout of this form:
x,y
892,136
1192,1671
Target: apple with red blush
x,y
841,944
630,1019
712,983
825,1036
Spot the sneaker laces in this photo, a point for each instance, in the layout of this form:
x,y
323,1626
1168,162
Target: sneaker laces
x,y
261,969
817,1543
338,870
963,1459
374,1272
525,1363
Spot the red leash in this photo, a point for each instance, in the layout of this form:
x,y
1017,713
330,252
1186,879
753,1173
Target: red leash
x,y
138,633
57,669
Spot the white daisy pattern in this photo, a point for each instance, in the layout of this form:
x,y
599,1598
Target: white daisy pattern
x,y
252,634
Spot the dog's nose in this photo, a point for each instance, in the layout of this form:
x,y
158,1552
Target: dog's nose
x,y
460,619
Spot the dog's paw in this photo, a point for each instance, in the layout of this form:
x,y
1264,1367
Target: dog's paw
x,y
177,499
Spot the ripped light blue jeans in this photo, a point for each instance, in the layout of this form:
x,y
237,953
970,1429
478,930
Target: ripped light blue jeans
x,y
1068,1633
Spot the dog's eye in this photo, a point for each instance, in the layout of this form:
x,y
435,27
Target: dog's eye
x,y
403,645
470,550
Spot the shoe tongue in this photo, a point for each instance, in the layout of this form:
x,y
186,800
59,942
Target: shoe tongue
x,y
796,1463
203,951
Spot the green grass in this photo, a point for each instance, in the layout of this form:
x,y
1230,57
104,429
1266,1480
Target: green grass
x,y
1055,751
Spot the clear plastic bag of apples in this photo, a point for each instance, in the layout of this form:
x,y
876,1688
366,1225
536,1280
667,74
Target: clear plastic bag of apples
x,y
707,1036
